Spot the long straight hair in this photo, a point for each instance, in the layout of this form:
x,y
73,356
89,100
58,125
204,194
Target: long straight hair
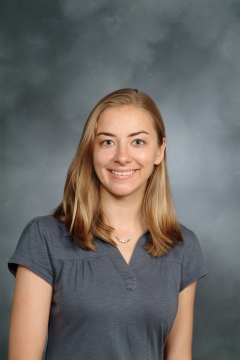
x,y
80,209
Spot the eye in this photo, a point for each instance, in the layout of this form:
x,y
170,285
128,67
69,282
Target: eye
x,y
138,142
107,142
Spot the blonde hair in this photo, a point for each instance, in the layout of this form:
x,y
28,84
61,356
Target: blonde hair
x,y
80,209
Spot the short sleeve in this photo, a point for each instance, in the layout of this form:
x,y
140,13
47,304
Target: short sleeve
x,y
33,251
193,267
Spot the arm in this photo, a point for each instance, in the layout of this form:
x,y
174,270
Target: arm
x,y
30,314
179,342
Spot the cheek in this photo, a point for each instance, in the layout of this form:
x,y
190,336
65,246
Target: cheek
x,y
100,161
147,158
96,154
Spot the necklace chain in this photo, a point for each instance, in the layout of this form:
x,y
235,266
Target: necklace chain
x,y
127,240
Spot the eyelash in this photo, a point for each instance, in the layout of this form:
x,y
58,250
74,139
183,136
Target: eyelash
x,y
106,142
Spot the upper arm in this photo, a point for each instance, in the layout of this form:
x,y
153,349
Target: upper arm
x,y
179,342
30,314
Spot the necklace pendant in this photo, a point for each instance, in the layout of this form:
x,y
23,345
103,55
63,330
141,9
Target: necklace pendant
x,y
121,240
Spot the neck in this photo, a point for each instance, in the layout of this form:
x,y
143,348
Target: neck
x,y
122,213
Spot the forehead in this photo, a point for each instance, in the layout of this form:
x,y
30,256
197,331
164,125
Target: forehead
x,y
127,116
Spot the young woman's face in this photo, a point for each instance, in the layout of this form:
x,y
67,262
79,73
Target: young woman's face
x,y
125,150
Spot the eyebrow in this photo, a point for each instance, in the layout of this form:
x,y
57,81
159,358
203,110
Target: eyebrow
x,y
131,135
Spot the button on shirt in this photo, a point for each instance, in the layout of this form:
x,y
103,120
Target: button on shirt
x,y
102,308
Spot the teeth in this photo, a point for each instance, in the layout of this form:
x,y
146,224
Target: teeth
x,y
123,172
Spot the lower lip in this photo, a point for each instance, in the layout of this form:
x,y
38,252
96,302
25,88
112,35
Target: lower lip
x,y
122,177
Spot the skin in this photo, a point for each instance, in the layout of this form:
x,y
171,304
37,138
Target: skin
x,y
179,343
30,313
125,141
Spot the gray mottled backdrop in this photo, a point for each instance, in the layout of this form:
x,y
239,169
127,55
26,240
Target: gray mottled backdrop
x,y
58,58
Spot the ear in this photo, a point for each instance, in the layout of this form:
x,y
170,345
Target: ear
x,y
160,152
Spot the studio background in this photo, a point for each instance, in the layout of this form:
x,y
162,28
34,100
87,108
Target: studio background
x,y
58,58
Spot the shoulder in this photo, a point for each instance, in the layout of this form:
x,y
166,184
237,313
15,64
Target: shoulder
x,y
46,225
48,221
183,250
37,246
41,234
188,255
189,236
51,234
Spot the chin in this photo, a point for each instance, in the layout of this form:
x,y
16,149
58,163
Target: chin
x,y
127,192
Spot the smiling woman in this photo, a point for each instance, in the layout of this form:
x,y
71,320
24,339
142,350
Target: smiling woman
x,y
125,151
111,273
82,209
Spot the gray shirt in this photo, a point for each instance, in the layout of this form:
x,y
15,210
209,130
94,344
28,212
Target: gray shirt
x,y
102,308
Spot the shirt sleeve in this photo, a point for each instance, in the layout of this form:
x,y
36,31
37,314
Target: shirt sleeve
x,y
193,265
33,251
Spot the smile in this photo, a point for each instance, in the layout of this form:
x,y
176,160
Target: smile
x,y
123,173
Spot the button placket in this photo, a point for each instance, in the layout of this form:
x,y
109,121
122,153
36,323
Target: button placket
x,y
122,267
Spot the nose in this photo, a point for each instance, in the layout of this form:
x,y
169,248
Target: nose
x,y
122,154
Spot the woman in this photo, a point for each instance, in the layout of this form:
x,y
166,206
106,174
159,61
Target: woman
x,y
111,274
